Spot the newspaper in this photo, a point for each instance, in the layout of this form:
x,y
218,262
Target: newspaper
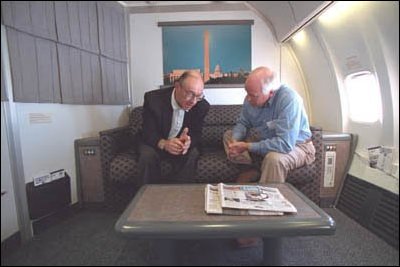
x,y
245,200
213,205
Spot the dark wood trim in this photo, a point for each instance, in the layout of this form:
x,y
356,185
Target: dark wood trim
x,y
214,86
221,86
205,22
187,8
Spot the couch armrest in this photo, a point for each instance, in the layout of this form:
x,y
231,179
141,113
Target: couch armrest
x,y
116,140
112,142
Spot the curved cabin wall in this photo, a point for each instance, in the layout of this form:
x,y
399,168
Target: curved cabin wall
x,y
360,36
291,75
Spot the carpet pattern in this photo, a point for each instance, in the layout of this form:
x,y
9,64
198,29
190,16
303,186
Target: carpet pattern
x,y
88,238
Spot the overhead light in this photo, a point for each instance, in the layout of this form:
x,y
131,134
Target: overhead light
x,y
307,20
336,11
300,37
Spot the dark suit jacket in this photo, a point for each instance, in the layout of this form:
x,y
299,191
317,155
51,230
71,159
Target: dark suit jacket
x,y
157,117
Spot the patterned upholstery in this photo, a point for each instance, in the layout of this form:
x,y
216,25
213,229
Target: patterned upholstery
x,y
308,178
211,136
213,166
222,115
124,165
120,159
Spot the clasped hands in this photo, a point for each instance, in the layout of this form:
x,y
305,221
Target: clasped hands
x,y
236,148
178,145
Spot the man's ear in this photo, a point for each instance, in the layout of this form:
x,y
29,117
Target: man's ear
x,y
270,84
267,87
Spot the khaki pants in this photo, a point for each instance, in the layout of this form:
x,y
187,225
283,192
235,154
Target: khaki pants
x,y
275,166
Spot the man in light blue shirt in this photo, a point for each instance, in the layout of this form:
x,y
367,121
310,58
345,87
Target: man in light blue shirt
x,y
282,131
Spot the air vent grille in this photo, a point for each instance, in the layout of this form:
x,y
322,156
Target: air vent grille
x,y
372,207
352,198
385,219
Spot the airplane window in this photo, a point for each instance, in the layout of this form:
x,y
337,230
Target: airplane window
x,y
364,97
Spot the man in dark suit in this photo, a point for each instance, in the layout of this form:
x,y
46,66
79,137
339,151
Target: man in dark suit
x,y
172,125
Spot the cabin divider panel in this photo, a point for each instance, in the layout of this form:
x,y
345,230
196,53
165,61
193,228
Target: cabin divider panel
x,y
55,50
33,17
114,79
80,76
77,24
112,31
34,68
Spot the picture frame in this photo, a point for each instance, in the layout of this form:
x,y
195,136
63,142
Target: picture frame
x,y
219,50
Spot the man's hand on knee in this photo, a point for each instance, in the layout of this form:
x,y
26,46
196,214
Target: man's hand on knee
x,y
174,146
236,148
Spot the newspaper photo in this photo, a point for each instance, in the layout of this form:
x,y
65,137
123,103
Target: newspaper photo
x,y
213,205
253,197
245,200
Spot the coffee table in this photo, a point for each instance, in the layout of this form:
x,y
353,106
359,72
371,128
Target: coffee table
x,y
173,212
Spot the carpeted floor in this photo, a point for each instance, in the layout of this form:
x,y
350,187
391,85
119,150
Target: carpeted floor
x,y
88,238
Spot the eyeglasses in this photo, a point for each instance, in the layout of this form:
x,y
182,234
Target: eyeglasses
x,y
190,96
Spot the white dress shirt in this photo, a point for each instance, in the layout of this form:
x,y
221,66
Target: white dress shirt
x,y
177,117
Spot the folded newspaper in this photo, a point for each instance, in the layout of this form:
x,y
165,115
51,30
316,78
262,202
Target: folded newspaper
x,y
246,200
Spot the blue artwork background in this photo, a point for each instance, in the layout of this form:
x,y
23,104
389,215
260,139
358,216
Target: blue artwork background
x,y
229,46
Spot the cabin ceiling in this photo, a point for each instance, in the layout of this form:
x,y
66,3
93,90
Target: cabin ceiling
x,y
284,17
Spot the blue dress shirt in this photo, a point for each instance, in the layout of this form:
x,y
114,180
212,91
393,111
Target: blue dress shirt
x,y
280,123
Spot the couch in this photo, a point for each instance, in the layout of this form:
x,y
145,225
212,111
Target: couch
x,y
119,157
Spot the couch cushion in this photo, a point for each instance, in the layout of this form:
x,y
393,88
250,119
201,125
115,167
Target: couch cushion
x,y
222,115
214,167
211,136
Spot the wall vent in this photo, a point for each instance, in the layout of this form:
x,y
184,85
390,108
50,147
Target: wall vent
x,y
373,207
352,197
385,218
